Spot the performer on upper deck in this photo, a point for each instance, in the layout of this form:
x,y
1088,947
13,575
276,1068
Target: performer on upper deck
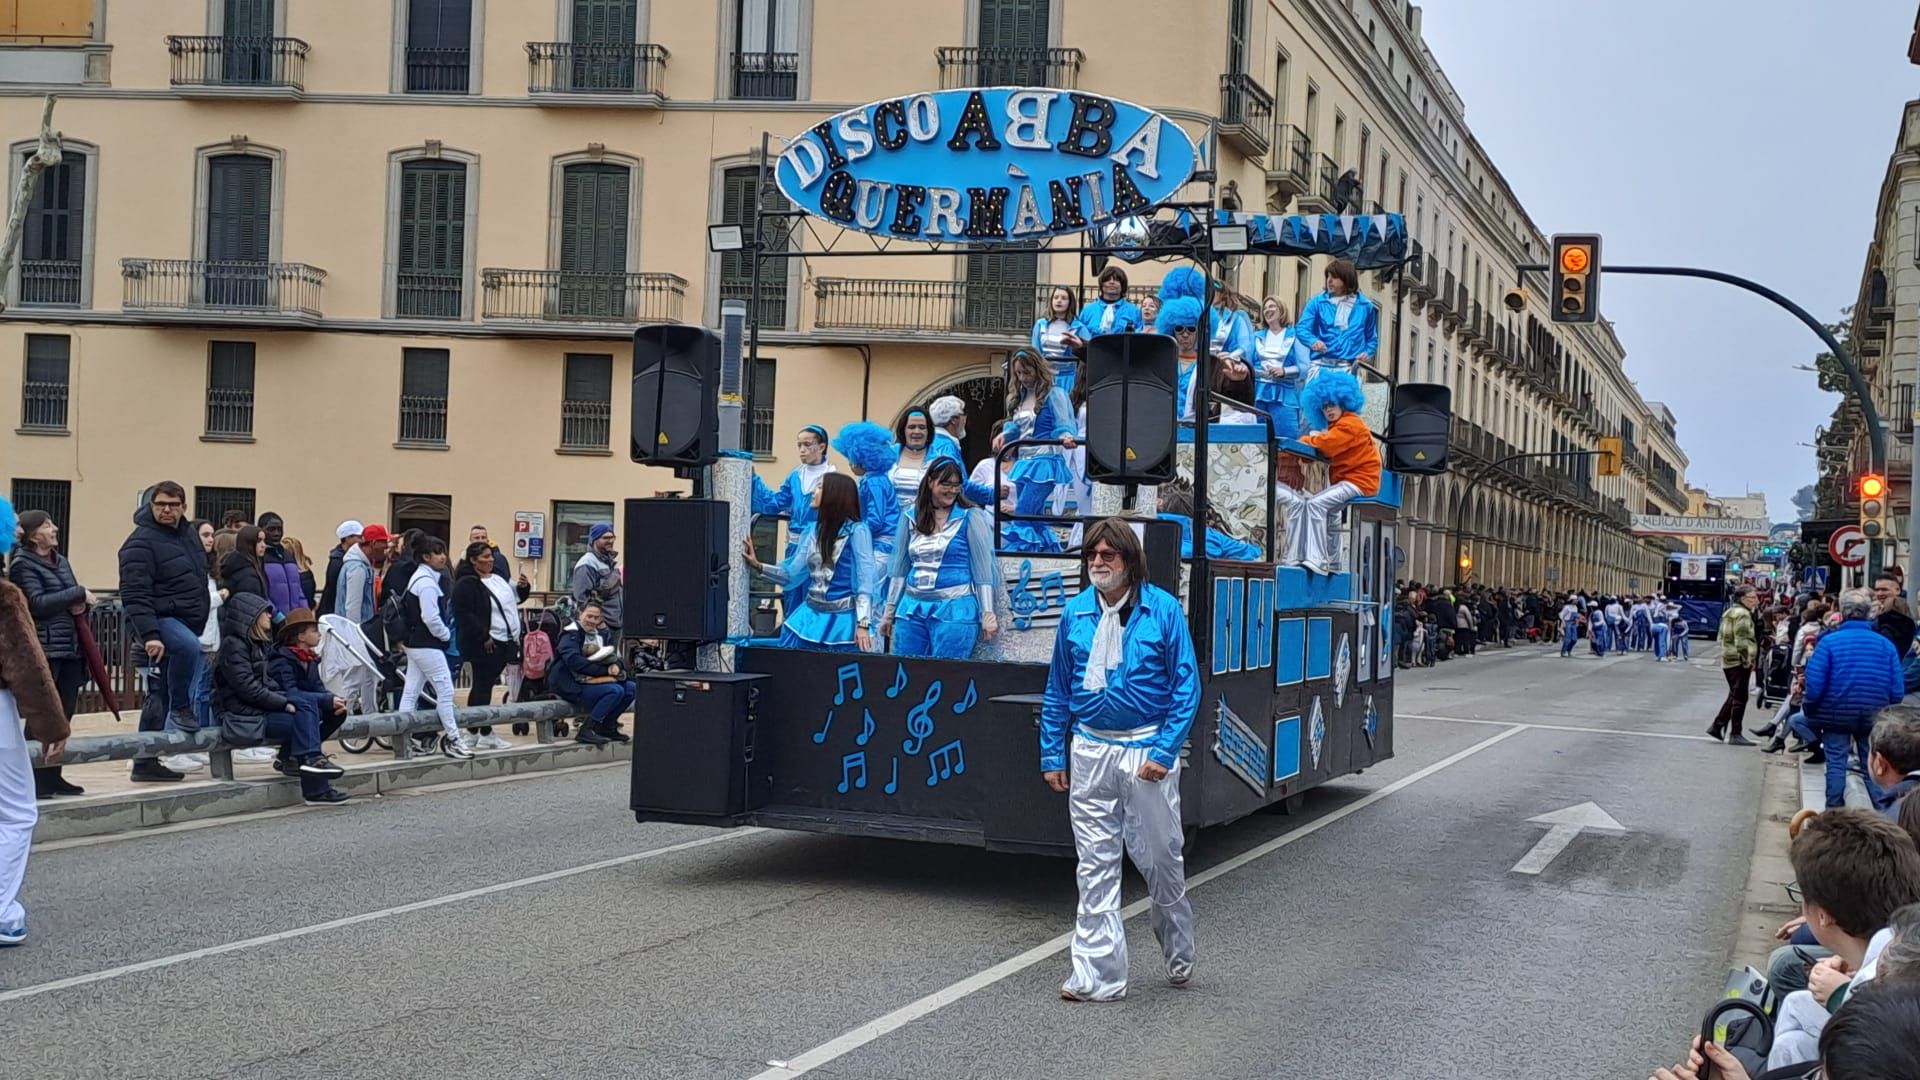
x,y
1278,368
1180,320
833,566
1111,312
915,433
1125,686
1058,335
794,497
870,452
942,579
1340,327
1334,399
1036,409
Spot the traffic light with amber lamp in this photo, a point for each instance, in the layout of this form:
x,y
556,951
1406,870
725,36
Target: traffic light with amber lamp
x,y
1873,506
1576,277
1607,461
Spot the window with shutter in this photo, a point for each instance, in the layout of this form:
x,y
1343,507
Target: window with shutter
x,y
586,407
423,396
766,50
1001,292
246,46
760,397
55,229
737,189
239,230
43,393
1236,37
1013,42
439,46
593,241
230,388
604,51
430,263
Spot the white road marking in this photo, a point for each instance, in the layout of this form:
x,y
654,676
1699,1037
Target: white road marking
x,y
868,1032
1562,827
1576,729
365,917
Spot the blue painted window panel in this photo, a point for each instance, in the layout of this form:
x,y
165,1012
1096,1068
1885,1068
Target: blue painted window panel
x,y
1229,608
1290,654
1319,648
1259,623
1286,749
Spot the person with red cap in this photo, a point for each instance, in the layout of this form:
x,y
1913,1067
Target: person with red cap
x,y
360,570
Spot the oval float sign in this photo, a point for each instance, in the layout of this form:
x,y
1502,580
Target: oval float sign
x,y
986,166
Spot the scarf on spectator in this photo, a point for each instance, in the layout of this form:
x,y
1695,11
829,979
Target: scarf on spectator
x,y
304,654
1108,639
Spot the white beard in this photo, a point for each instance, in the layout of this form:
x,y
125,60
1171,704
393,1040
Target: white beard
x,y
1102,577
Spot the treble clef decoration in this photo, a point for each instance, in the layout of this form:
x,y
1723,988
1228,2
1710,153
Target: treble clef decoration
x,y
1022,601
920,720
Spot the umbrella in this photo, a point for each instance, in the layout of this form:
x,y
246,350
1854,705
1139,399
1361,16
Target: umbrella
x,y
96,664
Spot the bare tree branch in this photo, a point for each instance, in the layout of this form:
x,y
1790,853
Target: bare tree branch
x,y
45,157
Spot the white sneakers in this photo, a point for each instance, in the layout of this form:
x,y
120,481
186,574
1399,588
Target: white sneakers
x,y
492,742
456,748
252,753
190,762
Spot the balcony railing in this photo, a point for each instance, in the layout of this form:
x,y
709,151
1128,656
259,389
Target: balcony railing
x,y
579,296
429,294
766,76
1290,171
932,307
624,70
43,406
585,425
1900,413
969,66
1448,298
438,71
229,411
50,282
423,419
1246,113
190,285
223,61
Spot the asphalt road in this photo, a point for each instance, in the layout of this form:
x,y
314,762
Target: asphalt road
x,y
529,928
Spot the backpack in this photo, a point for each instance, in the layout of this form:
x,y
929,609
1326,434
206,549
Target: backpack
x,y
536,652
393,620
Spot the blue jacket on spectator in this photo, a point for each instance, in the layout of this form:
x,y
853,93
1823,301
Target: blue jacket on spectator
x,y
570,667
1852,675
291,673
1890,797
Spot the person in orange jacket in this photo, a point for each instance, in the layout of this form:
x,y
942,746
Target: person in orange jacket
x,y
1331,400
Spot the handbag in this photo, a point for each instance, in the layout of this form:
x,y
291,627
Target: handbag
x,y
242,729
512,650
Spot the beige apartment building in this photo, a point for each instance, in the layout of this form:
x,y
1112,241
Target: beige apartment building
x,y
382,259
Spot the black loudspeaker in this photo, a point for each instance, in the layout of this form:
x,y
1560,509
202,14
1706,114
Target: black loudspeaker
x,y
1130,408
695,755
1161,545
677,562
676,382
1417,428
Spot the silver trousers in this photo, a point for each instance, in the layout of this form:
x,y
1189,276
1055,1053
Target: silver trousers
x,y
1112,810
1307,518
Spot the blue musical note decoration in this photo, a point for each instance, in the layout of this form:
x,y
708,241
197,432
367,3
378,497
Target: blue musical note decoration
x,y
821,735
850,764
920,720
893,785
899,681
866,728
848,673
945,763
967,700
1020,599
1053,591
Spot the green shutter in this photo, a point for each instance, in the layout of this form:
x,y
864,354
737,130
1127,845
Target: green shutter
x,y
736,268
605,22
239,208
593,222
54,219
589,377
431,255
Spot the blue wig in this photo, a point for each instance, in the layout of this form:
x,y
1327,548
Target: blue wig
x,y
1330,388
7,524
1183,281
867,445
1179,311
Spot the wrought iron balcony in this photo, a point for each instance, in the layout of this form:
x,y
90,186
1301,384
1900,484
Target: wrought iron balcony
x,y
201,286
438,71
1470,324
623,73
766,76
891,307
43,406
577,296
230,63
970,66
429,294
1448,299
1318,198
230,412
585,425
1290,169
1246,113
50,282
1419,273
423,420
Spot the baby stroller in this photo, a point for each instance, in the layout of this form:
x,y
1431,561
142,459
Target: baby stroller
x,y
1776,674
370,680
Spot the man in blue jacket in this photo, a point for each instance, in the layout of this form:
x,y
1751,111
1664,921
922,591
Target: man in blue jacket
x,y
1852,675
1124,684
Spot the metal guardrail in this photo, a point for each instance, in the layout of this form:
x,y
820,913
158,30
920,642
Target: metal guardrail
x,y
126,746
281,288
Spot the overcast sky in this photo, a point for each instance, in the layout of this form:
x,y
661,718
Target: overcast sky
x,y
1749,136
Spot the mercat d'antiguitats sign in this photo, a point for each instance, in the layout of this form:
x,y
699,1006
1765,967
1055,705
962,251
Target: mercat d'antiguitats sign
x,y
1664,525
985,166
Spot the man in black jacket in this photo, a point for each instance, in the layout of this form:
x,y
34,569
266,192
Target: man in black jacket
x,y
163,589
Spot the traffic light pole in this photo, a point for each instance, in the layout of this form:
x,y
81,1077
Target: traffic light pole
x,y
1460,498
1876,433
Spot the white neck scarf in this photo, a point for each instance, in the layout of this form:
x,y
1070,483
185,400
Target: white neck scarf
x,y
810,475
1107,642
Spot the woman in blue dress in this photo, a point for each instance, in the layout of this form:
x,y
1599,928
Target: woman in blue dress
x,y
1111,312
1179,319
833,566
1036,409
870,452
915,436
794,497
943,577
1340,327
1277,369
1057,335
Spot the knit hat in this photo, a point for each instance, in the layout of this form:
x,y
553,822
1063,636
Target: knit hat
x,y
348,528
600,529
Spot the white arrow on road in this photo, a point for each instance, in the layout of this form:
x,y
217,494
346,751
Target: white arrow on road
x,y
1562,827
